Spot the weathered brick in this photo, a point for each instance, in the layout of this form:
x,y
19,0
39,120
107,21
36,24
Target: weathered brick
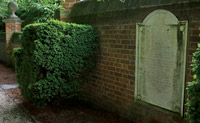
x,y
114,78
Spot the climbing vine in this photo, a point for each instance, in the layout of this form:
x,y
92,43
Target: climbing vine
x,y
193,91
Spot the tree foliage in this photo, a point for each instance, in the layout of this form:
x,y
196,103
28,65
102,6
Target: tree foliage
x,y
31,11
108,0
4,8
4,13
37,11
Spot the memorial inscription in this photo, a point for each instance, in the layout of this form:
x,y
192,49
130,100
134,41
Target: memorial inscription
x,y
160,61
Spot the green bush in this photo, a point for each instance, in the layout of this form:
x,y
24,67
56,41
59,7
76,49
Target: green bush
x,y
193,91
54,59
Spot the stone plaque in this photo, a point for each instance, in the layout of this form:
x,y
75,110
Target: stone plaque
x,y
160,60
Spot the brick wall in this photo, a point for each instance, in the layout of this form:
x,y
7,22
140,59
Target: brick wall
x,y
67,5
12,25
10,28
111,85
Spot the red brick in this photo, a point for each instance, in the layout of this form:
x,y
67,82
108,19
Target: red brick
x,y
132,27
116,63
194,39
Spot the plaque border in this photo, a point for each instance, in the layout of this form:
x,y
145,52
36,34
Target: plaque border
x,y
139,29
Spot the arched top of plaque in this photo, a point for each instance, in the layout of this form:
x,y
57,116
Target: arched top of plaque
x,y
161,15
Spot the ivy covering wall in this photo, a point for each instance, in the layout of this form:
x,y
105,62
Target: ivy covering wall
x,y
193,91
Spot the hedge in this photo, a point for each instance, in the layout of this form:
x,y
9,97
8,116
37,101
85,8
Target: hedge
x,y
54,59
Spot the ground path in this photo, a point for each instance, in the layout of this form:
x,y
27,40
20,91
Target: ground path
x,y
11,110
14,109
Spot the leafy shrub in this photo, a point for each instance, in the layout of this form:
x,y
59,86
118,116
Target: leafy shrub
x,y
55,57
193,91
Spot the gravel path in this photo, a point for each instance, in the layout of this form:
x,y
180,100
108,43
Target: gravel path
x,y
11,110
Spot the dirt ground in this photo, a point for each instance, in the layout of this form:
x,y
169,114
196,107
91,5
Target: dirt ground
x,y
7,75
68,111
